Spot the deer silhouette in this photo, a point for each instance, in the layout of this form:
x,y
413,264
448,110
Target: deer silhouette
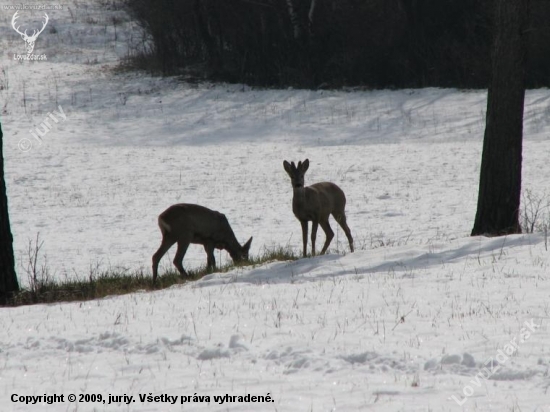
x,y
185,223
316,203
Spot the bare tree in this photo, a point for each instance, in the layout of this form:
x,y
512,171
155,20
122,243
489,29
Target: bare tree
x,y
500,176
8,277
294,19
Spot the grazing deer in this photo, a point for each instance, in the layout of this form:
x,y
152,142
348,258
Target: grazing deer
x,y
316,203
186,223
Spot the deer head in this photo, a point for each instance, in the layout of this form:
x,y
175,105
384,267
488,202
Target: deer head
x,y
296,173
32,38
241,254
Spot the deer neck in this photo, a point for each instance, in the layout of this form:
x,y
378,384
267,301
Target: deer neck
x,y
231,244
299,203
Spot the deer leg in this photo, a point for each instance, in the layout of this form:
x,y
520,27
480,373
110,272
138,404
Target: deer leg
x,y
210,259
314,226
164,246
304,236
341,219
329,234
178,259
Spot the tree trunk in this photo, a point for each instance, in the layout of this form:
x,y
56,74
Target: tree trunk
x,y
8,278
213,54
310,15
500,176
294,19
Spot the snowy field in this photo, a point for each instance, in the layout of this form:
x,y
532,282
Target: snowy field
x,y
421,317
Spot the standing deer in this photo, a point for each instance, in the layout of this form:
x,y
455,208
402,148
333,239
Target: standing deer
x,y
316,203
186,223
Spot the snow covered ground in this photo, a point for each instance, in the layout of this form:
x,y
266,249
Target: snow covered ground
x,y
421,318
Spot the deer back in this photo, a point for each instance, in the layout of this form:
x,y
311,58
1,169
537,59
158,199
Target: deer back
x,y
318,201
331,197
198,224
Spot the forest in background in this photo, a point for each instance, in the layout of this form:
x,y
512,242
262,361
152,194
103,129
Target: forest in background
x,y
333,43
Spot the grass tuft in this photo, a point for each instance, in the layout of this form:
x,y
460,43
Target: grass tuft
x,y
109,283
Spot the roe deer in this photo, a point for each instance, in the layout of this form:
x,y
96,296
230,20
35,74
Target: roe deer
x,y
316,203
186,223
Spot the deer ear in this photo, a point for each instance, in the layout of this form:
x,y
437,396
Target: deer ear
x,y
246,246
286,165
305,165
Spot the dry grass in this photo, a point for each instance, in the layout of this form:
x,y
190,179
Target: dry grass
x,y
100,285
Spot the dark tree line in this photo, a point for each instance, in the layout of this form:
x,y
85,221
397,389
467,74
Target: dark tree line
x,y
332,43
